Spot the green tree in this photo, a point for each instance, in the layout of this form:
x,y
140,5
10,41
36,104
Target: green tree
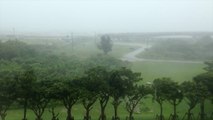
x,y
134,96
105,44
192,94
209,67
53,103
68,92
89,87
7,94
160,87
39,98
108,62
15,49
55,97
174,97
120,82
101,77
204,82
25,81
64,72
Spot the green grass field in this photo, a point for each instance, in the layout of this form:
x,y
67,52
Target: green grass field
x,y
177,71
150,70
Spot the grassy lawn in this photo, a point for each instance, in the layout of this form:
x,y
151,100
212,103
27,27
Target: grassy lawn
x,y
119,50
177,71
78,111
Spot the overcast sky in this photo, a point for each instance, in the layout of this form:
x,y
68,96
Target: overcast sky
x,y
64,16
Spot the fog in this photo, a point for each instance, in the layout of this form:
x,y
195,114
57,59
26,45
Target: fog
x,y
106,59
101,16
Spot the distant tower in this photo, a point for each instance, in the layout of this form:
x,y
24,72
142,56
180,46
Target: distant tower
x,y
14,34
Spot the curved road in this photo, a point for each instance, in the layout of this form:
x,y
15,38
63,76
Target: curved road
x,y
131,57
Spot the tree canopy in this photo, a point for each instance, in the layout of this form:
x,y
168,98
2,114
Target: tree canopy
x,y
105,44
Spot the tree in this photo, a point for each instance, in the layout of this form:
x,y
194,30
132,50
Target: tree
x,y
108,62
204,82
101,76
209,67
105,44
7,94
160,87
55,96
53,103
134,96
68,92
208,78
89,85
16,49
25,81
64,72
174,97
120,82
166,89
192,93
39,98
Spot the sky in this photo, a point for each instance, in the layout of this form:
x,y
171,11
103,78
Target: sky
x,y
105,16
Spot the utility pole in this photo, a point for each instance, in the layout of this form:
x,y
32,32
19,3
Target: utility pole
x,y
95,36
72,40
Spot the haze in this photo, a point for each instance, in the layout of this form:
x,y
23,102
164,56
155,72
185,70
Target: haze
x,y
63,16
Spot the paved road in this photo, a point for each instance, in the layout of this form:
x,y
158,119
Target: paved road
x,y
132,56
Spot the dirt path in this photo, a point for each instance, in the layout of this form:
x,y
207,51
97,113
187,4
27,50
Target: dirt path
x,y
132,56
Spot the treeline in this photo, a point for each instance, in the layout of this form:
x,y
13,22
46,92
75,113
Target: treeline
x,y
46,80
99,84
177,49
14,49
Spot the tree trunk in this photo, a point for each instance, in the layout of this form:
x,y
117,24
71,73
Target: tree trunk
x,y
103,103
3,115
54,115
161,111
115,111
189,114
174,110
69,113
202,110
102,116
130,114
87,117
38,117
175,113
25,110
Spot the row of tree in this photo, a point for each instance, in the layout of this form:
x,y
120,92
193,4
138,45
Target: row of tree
x,y
100,84
52,79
